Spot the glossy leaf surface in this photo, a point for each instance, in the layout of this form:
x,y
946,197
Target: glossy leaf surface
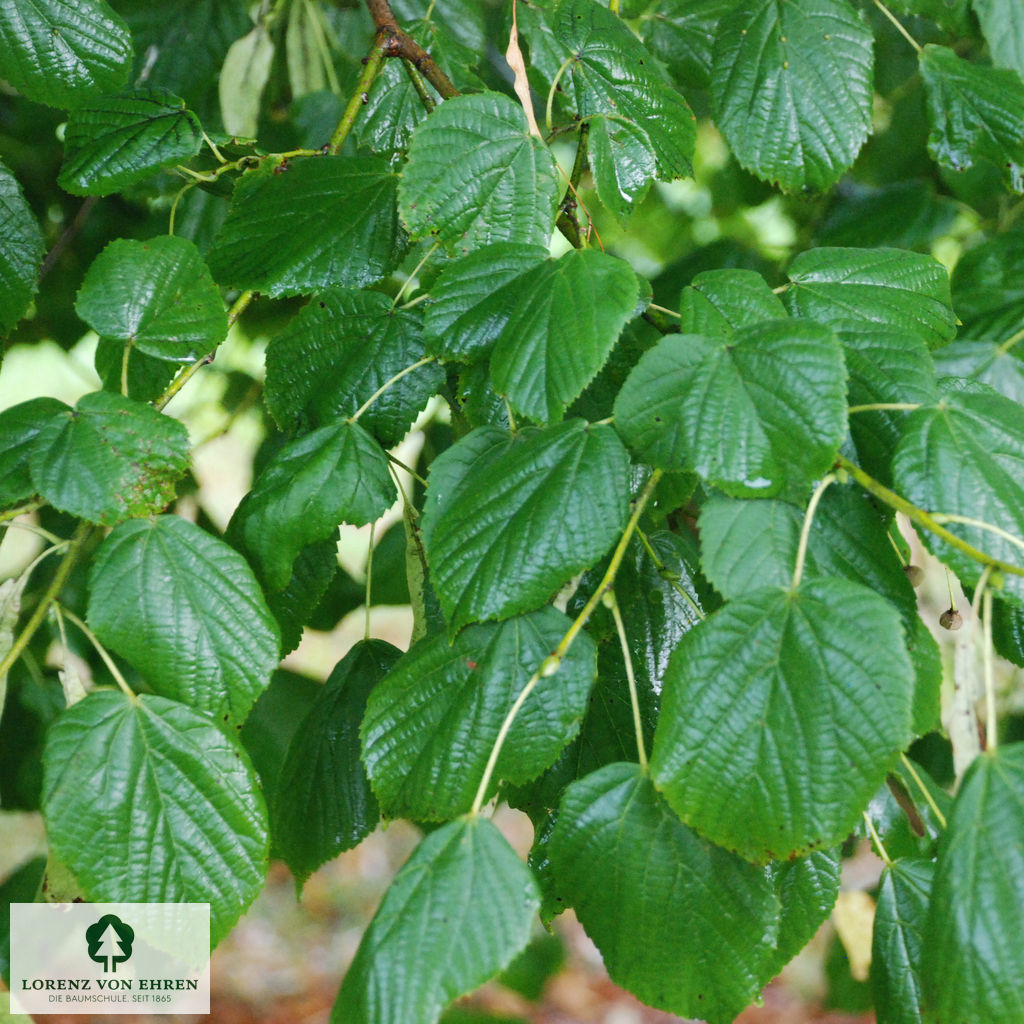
x,y
459,909
337,474
185,610
62,52
115,141
431,724
109,459
778,699
324,222
324,802
644,886
157,296
506,188
971,973
509,520
21,251
148,766
886,288
759,413
791,86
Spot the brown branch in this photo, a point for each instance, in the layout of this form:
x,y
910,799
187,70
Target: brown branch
x,y
68,235
396,43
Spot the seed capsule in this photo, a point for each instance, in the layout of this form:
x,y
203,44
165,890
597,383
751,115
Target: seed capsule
x,y
915,574
951,619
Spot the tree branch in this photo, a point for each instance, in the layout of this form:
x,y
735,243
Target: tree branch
x,y
396,43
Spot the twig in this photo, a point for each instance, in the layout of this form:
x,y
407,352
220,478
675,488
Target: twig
x,y
60,577
68,235
922,518
394,42
371,65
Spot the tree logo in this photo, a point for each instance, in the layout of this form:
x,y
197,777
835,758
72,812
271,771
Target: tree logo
x,y
110,942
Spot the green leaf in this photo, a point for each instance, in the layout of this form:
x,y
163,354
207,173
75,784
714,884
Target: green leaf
x,y
275,717
885,366
158,296
552,323
476,296
984,361
953,16
337,474
147,377
971,973
896,943
903,215
114,141
509,520
294,607
242,81
747,544
325,221
475,175
902,837
962,456
20,426
554,343
644,885
682,34
182,45
622,163
109,458
974,113
21,251
340,349
609,72
988,294
456,914
185,610
324,800
791,88
659,605
63,52
423,760
1008,631
1002,24
465,20
807,889
183,817
890,288
760,413
721,302
793,701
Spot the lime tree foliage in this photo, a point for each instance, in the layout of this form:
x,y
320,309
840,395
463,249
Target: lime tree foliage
x,y
689,298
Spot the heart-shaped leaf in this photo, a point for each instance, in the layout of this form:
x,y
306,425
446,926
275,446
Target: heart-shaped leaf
x,y
760,413
779,700
157,296
186,611
145,767
791,87
685,926
108,459
475,175
112,142
456,914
